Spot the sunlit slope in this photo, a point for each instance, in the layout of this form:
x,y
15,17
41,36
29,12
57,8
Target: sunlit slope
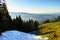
x,y
51,30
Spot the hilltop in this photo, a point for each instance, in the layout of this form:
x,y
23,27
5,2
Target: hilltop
x,y
50,30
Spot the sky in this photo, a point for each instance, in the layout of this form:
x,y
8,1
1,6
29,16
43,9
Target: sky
x,y
33,6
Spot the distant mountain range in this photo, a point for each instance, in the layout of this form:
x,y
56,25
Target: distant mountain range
x,y
38,17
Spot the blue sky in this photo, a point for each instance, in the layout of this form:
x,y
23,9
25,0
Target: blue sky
x,y
33,6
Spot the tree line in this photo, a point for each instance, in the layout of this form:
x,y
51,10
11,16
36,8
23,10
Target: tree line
x,y
6,23
53,20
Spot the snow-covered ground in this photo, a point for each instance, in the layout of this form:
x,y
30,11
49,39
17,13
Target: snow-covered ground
x,y
16,35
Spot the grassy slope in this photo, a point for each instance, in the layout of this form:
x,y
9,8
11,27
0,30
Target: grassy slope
x,y
53,26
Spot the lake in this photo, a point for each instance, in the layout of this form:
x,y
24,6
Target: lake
x,y
38,17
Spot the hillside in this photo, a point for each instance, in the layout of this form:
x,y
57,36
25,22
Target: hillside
x,y
50,30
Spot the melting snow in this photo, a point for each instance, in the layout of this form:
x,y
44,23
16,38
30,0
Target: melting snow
x,y
16,35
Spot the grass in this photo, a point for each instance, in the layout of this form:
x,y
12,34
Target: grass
x,y
47,29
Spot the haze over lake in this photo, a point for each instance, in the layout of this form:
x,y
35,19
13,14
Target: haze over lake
x,y
38,17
